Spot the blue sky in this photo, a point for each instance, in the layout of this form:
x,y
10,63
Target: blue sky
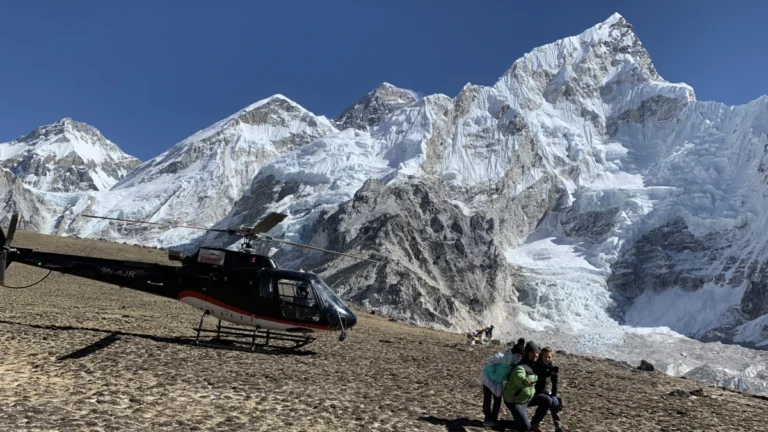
x,y
150,73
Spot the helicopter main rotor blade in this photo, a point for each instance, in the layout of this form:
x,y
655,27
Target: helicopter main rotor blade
x,y
157,223
267,238
269,222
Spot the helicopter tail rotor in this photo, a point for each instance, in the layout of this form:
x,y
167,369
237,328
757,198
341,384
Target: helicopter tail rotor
x,y
6,245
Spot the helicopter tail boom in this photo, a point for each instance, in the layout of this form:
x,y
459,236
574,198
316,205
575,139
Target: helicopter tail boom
x,y
141,276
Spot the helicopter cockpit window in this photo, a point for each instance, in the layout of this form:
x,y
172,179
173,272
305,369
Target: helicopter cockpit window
x,y
298,300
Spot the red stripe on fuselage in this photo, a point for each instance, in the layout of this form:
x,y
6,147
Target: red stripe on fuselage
x,y
230,308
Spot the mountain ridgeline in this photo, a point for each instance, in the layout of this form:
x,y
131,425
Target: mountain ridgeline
x,y
581,192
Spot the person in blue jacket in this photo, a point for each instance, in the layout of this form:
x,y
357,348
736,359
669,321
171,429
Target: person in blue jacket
x,y
493,376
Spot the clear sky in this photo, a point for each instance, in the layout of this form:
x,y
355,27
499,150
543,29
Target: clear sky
x,y
150,73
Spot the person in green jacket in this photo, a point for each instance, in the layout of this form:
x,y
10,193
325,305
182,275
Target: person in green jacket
x,y
520,392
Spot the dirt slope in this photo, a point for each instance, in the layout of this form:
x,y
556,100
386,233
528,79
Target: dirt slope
x,y
79,355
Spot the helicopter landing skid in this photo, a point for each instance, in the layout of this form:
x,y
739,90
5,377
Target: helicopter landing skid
x,y
240,339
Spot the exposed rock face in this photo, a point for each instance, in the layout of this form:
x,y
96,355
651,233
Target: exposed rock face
x,y
658,109
651,263
754,303
67,156
20,199
443,265
441,257
371,109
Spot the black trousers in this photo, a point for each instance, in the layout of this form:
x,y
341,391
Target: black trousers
x,y
555,411
490,414
519,412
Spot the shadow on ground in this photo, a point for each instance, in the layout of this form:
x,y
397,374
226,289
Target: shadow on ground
x,y
455,425
113,337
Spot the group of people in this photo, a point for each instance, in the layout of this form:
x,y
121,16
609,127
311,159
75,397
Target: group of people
x,y
523,376
481,335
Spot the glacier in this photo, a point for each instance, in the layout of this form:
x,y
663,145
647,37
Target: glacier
x,y
581,199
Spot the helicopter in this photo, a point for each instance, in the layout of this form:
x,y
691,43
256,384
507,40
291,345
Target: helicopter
x,y
238,287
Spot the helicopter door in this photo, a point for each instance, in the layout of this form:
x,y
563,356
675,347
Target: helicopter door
x,y
297,300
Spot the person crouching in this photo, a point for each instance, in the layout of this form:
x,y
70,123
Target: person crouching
x,y
492,377
520,392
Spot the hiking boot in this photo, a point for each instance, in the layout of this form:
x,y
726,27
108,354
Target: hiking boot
x,y
535,428
490,423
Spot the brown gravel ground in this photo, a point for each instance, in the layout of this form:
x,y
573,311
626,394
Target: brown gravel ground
x,y
78,355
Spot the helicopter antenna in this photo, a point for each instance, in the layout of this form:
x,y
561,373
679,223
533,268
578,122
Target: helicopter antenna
x,y
252,234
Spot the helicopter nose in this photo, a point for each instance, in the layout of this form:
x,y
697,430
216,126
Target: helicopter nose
x,y
351,320
342,318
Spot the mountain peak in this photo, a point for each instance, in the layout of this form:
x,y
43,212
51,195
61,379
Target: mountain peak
x,y
68,125
615,17
66,156
273,110
374,106
274,99
609,51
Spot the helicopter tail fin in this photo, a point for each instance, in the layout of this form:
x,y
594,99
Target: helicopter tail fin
x,y
5,241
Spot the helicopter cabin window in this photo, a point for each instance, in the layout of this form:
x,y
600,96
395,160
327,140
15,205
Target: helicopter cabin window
x,y
265,288
297,300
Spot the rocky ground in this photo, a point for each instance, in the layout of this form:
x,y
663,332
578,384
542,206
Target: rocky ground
x,y
79,355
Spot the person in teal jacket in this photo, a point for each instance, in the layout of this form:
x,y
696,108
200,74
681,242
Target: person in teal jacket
x,y
492,377
520,392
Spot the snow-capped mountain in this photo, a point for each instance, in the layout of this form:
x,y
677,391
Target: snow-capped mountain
x,y
197,180
372,108
580,195
66,156
506,155
581,192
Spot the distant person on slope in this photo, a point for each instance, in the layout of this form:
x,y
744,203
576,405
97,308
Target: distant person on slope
x,y
546,371
493,376
520,392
